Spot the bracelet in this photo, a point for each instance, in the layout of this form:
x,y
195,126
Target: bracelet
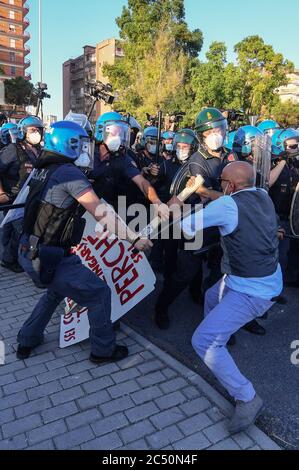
x,y
136,241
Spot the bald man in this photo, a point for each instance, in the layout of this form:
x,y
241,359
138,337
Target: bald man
x,y
252,280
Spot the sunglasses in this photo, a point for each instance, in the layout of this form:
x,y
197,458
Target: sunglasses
x,y
292,147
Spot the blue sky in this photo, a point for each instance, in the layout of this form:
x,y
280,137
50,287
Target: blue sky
x,y
71,24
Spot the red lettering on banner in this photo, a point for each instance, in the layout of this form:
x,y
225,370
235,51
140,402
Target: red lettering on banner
x,y
127,282
126,296
85,251
70,335
81,312
115,262
136,256
93,263
98,272
107,243
92,240
68,319
118,273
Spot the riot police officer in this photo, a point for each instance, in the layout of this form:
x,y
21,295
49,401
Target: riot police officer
x,y
53,224
285,154
17,160
147,160
168,145
268,126
180,268
243,147
114,167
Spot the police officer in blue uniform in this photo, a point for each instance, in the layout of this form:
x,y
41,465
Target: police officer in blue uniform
x,y
59,195
180,268
285,154
17,160
114,166
168,151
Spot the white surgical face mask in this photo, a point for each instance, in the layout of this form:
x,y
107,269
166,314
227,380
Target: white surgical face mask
x,y
152,149
182,154
113,143
214,141
83,161
34,139
169,147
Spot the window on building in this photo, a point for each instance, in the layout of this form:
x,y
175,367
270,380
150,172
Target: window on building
x,y
11,15
11,2
12,56
13,43
13,70
12,28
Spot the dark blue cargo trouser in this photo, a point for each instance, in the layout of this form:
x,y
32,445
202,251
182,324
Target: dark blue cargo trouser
x,y
77,282
10,241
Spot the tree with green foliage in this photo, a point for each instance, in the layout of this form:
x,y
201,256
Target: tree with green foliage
x,y
250,84
208,80
287,114
144,25
261,72
18,91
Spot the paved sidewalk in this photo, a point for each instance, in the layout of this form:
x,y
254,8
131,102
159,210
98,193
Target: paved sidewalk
x,y
57,399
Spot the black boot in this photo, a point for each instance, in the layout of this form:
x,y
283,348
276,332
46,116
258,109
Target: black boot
x,y
23,352
14,267
120,353
255,328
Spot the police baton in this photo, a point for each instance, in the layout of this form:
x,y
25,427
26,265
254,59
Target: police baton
x,y
160,119
11,207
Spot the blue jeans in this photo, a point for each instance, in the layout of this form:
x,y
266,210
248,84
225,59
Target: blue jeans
x,y
226,311
77,282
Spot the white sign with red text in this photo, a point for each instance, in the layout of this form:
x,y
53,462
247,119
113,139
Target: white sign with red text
x,y
128,274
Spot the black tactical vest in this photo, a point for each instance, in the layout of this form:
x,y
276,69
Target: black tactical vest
x,y
53,226
26,167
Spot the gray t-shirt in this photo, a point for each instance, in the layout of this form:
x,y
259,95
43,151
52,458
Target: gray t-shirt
x,y
66,184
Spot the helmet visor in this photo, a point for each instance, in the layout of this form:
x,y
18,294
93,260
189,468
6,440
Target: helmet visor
x,y
117,131
219,126
85,154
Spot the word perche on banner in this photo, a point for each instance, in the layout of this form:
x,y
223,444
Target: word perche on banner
x,y
128,274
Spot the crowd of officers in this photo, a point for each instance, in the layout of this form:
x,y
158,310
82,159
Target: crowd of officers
x,y
126,163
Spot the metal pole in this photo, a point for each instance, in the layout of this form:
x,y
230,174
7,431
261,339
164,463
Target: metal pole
x,y
40,42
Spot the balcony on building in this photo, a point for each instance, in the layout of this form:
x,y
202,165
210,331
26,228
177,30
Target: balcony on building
x,y
24,7
19,22
15,34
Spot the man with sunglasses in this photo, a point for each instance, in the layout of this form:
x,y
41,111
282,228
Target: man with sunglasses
x,y
251,282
